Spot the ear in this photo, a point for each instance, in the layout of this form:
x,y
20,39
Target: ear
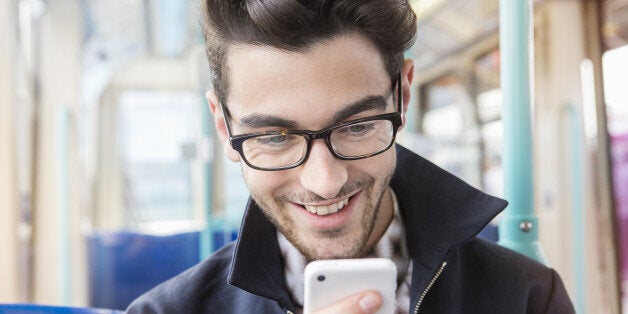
x,y
221,126
407,74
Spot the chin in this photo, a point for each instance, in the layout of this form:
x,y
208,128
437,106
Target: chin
x,y
333,249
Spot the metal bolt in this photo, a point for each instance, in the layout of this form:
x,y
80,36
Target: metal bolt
x,y
525,226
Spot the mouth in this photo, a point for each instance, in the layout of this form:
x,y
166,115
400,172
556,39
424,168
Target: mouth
x,y
324,210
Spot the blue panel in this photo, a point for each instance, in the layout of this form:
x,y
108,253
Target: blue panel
x,y
221,238
123,265
490,233
45,309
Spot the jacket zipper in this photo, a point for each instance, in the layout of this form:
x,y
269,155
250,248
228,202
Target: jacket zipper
x,y
429,286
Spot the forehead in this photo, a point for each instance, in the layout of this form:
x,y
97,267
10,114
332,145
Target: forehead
x,y
310,84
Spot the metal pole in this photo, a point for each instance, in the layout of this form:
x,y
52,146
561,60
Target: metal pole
x,y
64,219
608,256
206,240
9,208
518,229
579,231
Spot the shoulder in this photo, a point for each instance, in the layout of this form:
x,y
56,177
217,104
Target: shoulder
x,y
187,291
500,259
517,279
503,264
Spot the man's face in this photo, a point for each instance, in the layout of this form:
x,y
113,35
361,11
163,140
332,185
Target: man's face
x,y
310,91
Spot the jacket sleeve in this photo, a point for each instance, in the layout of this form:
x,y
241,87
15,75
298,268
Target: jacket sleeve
x,y
142,308
558,301
157,303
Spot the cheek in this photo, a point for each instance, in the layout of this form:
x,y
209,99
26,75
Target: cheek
x,y
264,183
380,166
272,183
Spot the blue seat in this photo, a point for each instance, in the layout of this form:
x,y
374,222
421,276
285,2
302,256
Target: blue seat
x,y
123,265
490,232
48,309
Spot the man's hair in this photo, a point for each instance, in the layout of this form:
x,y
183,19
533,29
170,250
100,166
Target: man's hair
x,y
297,25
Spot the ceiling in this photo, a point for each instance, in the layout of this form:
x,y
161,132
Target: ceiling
x,y
118,29
446,26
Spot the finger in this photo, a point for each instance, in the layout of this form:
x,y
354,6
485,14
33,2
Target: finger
x,y
360,303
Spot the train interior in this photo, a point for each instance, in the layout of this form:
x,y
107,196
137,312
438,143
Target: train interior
x,y
112,179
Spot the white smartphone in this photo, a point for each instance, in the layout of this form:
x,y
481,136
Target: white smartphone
x,y
329,281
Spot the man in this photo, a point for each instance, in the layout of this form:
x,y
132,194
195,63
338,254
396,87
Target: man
x,y
343,190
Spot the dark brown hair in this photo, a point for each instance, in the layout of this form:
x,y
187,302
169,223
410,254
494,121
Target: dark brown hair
x,y
296,25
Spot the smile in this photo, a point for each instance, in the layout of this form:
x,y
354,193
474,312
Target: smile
x,y
323,210
326,210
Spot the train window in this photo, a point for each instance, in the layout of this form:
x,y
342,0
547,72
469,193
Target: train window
x,y
446,98
614,65
489,106
486,73
448,127
156,133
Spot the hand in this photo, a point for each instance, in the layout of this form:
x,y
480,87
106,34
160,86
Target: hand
x,y
366,302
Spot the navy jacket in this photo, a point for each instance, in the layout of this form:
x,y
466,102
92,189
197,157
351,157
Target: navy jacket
x,y
453,271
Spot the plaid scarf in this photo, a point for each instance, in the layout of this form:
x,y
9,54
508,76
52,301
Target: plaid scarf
x,y
392,245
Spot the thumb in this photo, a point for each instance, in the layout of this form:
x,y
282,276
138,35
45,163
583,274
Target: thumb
x,y
360,303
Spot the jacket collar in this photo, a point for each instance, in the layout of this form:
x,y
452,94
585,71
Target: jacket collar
x,y
440,212
256,265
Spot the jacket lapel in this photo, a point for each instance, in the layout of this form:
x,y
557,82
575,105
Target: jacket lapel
x,y
257,266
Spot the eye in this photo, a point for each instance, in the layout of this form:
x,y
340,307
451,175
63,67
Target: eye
x,y
358,129
273,140
273,143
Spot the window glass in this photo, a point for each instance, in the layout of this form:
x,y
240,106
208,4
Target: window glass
x,y
155,133
615,63
449,132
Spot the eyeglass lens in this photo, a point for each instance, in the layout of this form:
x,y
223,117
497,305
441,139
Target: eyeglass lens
x,y
351,141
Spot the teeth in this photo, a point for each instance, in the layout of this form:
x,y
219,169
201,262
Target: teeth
x,y
322,210
326,210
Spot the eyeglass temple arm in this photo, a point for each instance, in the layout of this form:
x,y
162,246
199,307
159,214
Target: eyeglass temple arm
x,y
400,93
226,115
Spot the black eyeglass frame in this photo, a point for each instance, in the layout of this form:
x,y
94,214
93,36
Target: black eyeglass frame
x,y
325,134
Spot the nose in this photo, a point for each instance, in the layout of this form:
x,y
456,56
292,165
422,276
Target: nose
x,y
322,173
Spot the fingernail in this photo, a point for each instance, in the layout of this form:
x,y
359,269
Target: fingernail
x,y
368,303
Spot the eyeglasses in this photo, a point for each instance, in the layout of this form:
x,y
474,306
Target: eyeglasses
x,y
286,149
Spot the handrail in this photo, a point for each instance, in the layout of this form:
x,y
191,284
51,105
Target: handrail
x,y
518,229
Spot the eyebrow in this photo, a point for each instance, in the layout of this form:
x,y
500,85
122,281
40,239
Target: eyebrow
x,y
257,120
368,103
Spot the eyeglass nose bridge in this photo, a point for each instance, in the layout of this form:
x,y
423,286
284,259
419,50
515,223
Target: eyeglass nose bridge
x,y
324,135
